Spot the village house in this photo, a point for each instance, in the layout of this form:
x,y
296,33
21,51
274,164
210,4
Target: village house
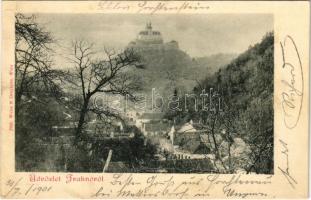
x,y
191,142
148,117
184,133
155,128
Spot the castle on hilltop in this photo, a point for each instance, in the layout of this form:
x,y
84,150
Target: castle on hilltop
x,y
150,39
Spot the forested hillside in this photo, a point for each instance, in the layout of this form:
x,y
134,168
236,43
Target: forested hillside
x,y
245,90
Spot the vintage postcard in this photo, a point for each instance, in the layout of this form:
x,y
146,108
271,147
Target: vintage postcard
x,y
154,99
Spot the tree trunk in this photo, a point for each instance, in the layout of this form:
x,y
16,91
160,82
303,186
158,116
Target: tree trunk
x,y
79,130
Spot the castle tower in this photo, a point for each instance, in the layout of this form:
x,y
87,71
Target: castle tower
x,y
150,39
149,36
149,26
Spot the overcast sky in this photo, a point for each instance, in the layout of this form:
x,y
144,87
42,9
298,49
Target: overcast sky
x,y
198,35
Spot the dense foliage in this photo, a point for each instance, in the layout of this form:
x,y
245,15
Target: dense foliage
x,y
245,90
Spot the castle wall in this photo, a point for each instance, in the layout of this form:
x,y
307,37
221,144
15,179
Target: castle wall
x,y
152,47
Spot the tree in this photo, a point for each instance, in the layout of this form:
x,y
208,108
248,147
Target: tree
x,y
33,60
91,76
36,85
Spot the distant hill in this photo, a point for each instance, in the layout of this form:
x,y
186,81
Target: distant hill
x,y
214,62
170,69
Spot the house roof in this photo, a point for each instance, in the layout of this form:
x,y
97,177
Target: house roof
x,y
193,143
187,128
153,127
191,127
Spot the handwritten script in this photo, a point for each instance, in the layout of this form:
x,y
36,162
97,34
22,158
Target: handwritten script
x,y
292,94
153,186
286,170
17,189
149,7
129,186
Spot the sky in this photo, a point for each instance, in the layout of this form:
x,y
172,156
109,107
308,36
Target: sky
x,y
197,34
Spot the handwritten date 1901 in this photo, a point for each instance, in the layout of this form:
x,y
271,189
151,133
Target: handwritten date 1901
x,y
15,189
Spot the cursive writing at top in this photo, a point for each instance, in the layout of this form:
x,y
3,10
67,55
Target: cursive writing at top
x,y
153,7
292,94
